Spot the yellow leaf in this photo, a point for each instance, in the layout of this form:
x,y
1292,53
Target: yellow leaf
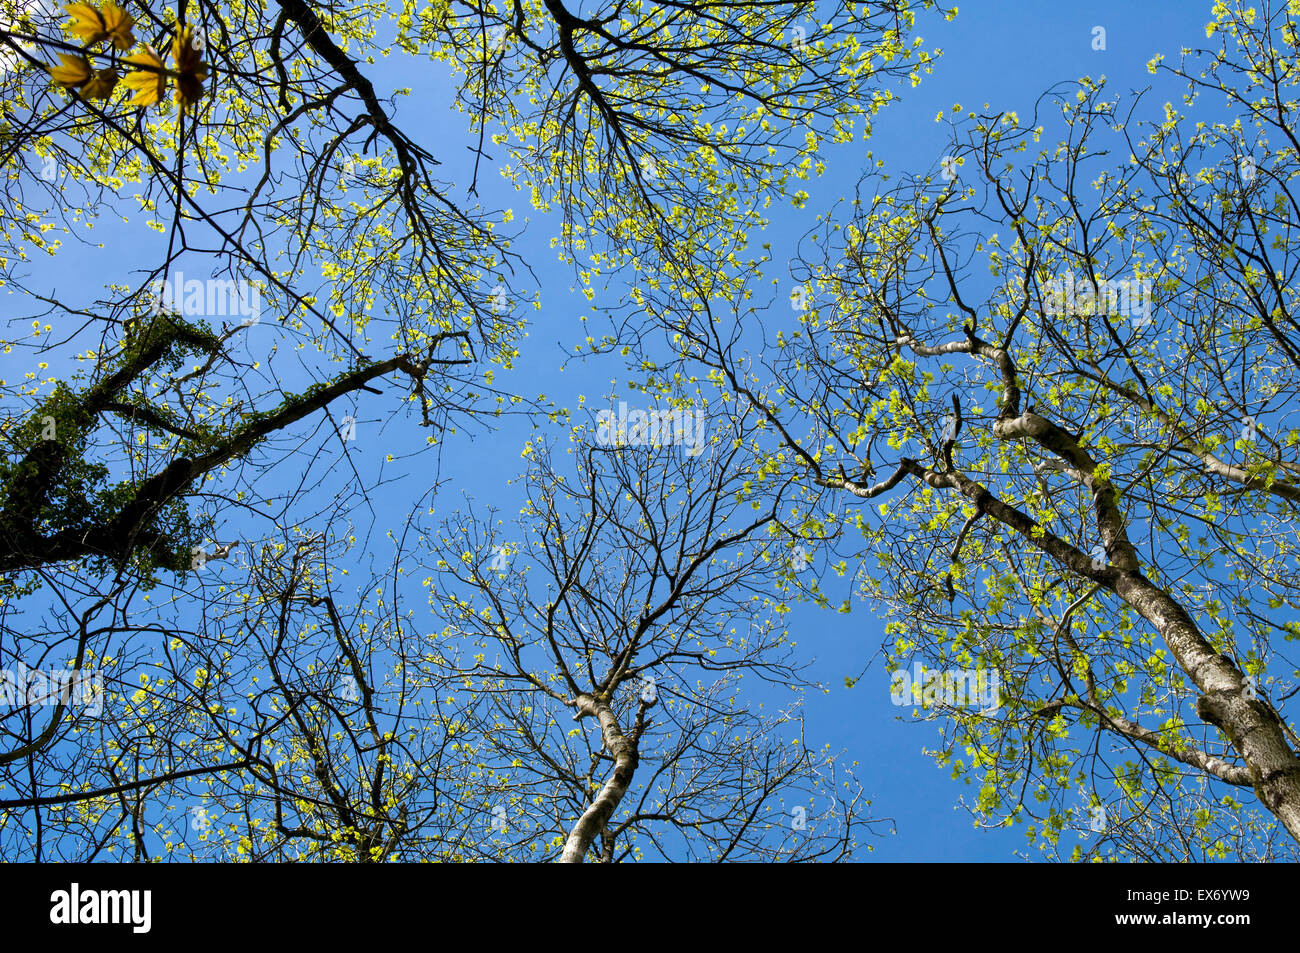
x,y
118,23
93,25
189,85
148,84
101,84
87,23
74,71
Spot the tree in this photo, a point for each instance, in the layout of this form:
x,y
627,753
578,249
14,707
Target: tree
x,y
168,413
636,592
285,722
1065,384
295,724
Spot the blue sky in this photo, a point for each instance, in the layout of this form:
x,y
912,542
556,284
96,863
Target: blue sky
x,y
1004,54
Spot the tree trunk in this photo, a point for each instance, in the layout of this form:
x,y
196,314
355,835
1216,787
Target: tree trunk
x,y
602,807
1255,730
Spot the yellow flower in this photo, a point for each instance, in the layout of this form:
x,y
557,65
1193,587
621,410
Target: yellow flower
x,y
189,85
148,84
74,71
93,25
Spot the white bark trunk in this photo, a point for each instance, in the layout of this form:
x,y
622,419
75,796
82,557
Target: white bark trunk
x,y
602,807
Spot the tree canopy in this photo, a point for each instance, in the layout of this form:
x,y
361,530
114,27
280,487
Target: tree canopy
x,y
1031,406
